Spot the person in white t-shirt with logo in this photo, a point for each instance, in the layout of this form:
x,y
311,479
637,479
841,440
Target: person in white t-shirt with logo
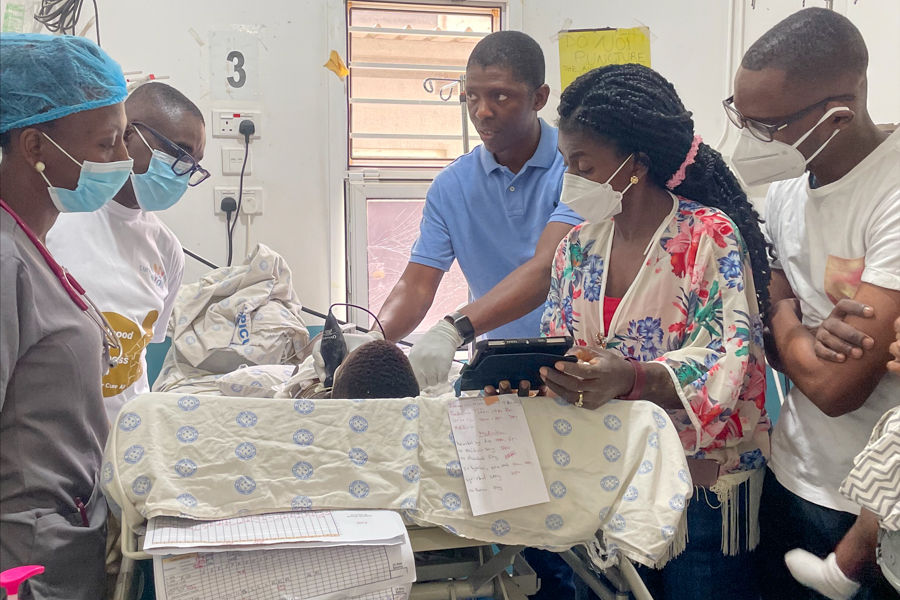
x,y
833,219
126,258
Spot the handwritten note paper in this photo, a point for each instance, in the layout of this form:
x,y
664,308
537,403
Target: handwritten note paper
x,y
497,455
584,50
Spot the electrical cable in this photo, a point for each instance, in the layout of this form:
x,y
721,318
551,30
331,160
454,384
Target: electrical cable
x,y
61,16
229,238
247,128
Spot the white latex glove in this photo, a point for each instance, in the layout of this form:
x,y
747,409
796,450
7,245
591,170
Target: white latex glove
x,y
353,341
432,356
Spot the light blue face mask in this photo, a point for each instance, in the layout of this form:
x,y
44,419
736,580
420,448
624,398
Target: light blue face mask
x,y
159,188
97,184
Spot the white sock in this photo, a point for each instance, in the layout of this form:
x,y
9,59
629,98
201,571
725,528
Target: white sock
x,y
824,576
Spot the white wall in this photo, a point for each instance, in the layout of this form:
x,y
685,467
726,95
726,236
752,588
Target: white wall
x,y
293,160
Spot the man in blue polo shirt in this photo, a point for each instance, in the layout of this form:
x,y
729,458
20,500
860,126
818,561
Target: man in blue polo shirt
x,y
496,210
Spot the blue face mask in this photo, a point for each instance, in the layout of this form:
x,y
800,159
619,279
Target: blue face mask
x,y
97,184
159,188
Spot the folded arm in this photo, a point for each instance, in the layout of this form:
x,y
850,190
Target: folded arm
x,y
837,388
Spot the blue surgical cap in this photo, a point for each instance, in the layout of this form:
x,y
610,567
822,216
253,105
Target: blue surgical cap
x,y
46,77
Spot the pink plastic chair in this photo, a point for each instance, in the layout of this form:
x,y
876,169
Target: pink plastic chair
x,y
11,579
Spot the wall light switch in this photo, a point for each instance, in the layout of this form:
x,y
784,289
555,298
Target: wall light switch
x,y
233,158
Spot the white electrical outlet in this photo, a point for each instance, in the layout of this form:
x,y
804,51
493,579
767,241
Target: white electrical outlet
x,y
233,160
251,203
226,123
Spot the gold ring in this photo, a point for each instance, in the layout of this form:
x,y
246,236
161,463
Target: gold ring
x,y
580,402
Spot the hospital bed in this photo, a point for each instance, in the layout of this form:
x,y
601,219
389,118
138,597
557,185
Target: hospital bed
x,y
486,564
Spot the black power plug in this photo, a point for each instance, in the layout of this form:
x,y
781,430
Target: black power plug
x,y
247,128
229,206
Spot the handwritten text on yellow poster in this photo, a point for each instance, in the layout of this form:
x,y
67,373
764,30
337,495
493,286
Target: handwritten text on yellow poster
x,y
582,51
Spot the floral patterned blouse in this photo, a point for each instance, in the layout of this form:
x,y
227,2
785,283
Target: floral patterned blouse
x,y
693,309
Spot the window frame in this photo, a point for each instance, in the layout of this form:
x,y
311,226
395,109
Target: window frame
x,y
348,184
502,6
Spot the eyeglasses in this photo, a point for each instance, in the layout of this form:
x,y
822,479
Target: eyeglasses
x,y
764,131
184,164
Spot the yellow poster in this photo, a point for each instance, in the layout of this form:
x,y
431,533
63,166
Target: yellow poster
x,y
583,50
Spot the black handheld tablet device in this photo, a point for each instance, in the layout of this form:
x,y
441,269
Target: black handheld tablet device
x,y
514,361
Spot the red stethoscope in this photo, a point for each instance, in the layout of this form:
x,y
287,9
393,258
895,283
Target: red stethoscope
x,y
73,289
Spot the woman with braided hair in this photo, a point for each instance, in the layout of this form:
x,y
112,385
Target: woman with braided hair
x,y
661,288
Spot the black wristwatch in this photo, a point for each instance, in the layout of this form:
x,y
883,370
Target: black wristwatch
x,y
463,326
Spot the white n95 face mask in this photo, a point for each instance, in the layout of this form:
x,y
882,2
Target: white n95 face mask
x,y
595,202
759,162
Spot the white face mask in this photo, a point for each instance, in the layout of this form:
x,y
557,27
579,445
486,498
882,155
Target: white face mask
x,y
759,162
595,202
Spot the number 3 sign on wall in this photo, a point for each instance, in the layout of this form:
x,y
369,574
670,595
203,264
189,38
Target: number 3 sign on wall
x,y
234,65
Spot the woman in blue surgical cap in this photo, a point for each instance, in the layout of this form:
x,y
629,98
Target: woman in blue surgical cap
x,y
61,124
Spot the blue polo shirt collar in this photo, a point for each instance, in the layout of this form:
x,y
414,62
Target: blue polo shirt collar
x,y
542,158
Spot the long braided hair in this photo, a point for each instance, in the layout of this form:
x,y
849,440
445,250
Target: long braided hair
x,y
638,110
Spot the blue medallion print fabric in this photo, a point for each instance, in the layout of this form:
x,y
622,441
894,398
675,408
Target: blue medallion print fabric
x,y
134,455
411,473
410,441
246,419
245,451
359,489
185,468
500,528
301,503
188,403
129,422
245,485
304,407
611,453
562,427
558,490
303,437
617,523
358,456
561,457
554,522
187,500
359,424
302,470
451,502
610,483
187,434
141,485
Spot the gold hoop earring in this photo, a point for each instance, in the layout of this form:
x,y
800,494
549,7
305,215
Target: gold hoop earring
x,y
39,167
634,179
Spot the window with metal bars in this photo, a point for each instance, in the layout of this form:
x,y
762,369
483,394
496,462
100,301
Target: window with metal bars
x,y
393,47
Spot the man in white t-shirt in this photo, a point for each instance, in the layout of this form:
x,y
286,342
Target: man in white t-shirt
x,y
833,220
129,262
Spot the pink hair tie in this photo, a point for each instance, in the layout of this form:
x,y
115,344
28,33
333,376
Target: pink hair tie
x,y
679,175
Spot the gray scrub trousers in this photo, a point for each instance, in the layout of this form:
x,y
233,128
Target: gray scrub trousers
x,y
52,428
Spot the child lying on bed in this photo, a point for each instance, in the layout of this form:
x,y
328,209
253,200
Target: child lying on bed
x,y
375,370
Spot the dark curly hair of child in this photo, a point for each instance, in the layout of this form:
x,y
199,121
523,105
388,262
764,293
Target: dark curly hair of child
x,y
375,370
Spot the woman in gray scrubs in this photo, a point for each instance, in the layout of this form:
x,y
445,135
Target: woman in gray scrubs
x,y
61,124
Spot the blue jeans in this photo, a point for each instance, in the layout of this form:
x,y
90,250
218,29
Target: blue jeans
x,y
701,572
557,577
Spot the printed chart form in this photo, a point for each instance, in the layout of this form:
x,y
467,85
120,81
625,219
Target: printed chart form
x,y
298,529
330,573
496,453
